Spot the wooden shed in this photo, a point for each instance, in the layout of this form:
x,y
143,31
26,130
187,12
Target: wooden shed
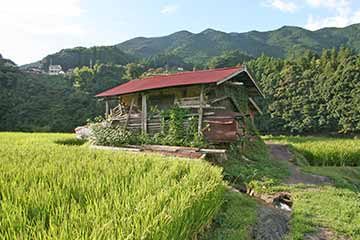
x,y
220,98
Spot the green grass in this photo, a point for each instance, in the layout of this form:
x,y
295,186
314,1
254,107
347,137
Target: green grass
x,y
335,207
345,177
256,166
331,207
325,151
235,219
53,188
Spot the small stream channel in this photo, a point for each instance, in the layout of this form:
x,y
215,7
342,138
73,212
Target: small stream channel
x,y
273,215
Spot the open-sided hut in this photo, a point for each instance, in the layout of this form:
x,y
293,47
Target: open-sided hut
x,y
221,99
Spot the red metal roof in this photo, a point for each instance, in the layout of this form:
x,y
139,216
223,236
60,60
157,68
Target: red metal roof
x,y
172,80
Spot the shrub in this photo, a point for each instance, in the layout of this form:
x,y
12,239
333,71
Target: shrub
x,y
110,135
174,132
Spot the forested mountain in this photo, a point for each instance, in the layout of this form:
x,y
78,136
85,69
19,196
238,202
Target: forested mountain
x,y
81,56
6,62
196,48
39,102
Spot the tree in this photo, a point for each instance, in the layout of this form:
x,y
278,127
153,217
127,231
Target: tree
x,y
228,59
134,70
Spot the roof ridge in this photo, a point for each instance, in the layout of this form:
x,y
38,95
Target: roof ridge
x,y
188,72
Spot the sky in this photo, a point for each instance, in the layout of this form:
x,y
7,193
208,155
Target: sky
x,y
32,29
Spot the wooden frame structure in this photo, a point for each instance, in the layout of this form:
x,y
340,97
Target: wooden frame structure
x,y
219,118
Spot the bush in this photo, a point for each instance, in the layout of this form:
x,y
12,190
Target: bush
x,y
174,132
110,135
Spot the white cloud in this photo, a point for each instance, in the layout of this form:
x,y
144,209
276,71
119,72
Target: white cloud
x,y
340,6
169,9
315,23
284,6
343,16
356,17
328,3
32,28
44,15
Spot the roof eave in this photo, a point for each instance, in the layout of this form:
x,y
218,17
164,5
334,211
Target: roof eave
x,y
237,73
256,86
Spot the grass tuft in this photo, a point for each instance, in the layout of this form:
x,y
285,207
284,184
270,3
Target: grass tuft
x,y
235,219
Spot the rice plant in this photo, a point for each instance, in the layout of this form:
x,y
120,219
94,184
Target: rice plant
x,y
326,151
60,191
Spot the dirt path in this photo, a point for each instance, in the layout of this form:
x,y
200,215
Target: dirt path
x,y
280,152
324,234
273,223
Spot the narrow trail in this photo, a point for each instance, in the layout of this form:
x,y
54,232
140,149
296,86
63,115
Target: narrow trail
x,y
273,223
280,152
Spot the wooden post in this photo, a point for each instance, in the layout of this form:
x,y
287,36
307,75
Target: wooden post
x,y
129,113
201,110
106,109
144,113
252,117
120,106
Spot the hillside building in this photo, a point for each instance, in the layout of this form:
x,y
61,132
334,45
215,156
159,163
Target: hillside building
x,y
55,70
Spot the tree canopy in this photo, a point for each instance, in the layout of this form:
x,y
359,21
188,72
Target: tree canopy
x,y
305,93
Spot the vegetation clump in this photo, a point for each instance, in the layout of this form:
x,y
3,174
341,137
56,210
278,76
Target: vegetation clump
x,y
173,132
249,163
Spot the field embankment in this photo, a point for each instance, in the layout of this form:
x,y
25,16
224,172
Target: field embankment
x,y
50,187
323,151
321,207
323,210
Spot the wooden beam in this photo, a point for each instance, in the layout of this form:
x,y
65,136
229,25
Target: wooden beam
x,y
106,109
255,105
169,148
205,150
201,110
116,148
230,77
236,83
218,99
129,113
144,113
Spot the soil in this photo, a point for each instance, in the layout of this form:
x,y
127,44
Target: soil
x,y
280,152
324,234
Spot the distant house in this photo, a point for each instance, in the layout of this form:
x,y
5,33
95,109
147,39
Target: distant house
x,y
55,70
221,98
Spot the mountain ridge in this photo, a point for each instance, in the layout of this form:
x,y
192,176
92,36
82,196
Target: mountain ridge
x,y
198,48
275,43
